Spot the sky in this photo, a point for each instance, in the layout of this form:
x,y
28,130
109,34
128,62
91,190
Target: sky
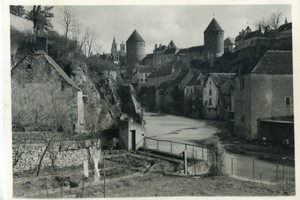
x,y
161,24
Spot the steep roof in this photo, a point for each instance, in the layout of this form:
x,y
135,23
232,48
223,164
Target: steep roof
x,y
161,71
275,62
135,37
144,68
55,66
229,41
257,33
222,81
285,27
193,80
170,51
171,45
181,76
213,26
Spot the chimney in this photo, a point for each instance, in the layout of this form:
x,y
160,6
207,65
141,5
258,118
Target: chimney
x,y
41,43
155,46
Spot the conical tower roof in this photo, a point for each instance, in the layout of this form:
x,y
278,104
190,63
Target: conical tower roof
x,y
135,37
172,45
213,26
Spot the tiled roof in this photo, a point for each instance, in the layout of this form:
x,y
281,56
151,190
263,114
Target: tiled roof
x,y
181,77
257,33
222,81
171,45
213,26
135,37
165,70
193,80
170,51
197,80
285,27
275,62
144,68
56,67
165,85
229,41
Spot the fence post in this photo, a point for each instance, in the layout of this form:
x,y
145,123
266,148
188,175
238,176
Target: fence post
x,y
231,166
260,176
185,146
202,154
276,172
185,161
171,147
104,176
253,169
157,144
193,152
283,171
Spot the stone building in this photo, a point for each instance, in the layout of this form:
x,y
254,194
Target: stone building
x,y
44,97
148,60
248,38
229,45
265,92
158,55
161,75
194,88
141,74
214,39
135,46
217,96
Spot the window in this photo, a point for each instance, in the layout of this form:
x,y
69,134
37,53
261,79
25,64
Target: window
x,y
29,66
145,80
210,101
141,80
243,118
287,101
210,92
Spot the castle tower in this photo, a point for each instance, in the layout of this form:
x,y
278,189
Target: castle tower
x,y
114,49
122,49
135,47
214,39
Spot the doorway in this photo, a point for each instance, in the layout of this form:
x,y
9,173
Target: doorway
x,y
133,140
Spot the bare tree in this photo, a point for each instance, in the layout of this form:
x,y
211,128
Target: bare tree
x,y
67,17
270,22
92,36
76,28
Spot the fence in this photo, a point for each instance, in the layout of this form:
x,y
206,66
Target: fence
x,y
193,151
234,165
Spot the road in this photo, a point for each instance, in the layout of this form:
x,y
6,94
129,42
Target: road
x,y
186,130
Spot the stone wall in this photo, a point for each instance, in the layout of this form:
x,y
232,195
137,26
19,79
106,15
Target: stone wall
x,y
62,154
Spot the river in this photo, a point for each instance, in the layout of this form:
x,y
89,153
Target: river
x,y
186,130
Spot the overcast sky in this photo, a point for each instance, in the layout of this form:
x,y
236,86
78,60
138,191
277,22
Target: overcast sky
x,y
160,24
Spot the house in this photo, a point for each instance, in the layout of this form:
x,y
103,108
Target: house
x,y
161,75
194,88
216,95
229,45
148,60
44,97
142,73
251,38
265,92
131,134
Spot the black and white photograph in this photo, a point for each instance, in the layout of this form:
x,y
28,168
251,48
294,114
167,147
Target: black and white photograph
x,y
158,100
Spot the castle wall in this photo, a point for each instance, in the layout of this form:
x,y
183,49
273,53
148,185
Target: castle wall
x,y
214,43
135,53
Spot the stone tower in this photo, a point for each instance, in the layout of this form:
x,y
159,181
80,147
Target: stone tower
x,y
135,49
122,49
114,49
214,39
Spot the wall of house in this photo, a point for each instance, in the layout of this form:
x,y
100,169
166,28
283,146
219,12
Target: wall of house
x,y
38,91
125,134
268,97
210,110
242,106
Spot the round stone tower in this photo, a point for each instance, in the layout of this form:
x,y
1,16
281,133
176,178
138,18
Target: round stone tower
x,y
214,39
135,48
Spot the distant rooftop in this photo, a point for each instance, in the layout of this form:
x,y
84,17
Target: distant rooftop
x,y
213,26
135,37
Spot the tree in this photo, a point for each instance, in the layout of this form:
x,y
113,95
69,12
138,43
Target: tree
x,y
41,19
92,36
17,10
68,18
271,22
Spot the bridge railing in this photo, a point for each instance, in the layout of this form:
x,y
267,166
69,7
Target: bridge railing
x,y
193,151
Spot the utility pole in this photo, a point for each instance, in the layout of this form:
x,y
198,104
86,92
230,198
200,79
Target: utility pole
x,y
185,161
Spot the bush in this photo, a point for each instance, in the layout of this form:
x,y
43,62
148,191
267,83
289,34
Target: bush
x,y
216,156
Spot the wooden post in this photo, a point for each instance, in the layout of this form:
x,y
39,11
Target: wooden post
x,y
104,175
96,170
85,168
202,154
157,144
253,169
276,172
171,147
193,152
185,161
231,166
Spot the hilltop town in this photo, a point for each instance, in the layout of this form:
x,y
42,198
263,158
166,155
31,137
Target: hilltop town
x,y
218,115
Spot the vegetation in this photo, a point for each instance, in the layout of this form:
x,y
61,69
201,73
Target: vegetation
x,y
17,10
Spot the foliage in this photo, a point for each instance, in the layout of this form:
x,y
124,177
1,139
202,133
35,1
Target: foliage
x,y
270,22
146,96
98,65
41,18
17,10
216,155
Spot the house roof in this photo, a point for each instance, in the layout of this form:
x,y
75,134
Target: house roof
x,y
170,51
162,71
144,68
196,80
171,45
229,41
275,62
257,33
222,81
213,26
285,27
55,66
135,37
181,76
185,50
165,85
161,48
149,56
193,80
196,48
